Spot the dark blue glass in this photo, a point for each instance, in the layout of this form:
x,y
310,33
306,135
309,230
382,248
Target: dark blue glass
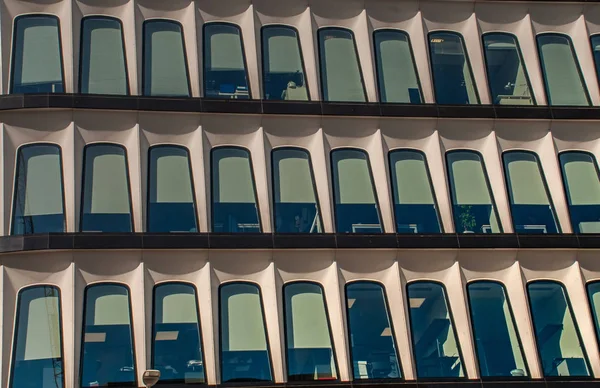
x,y
107,355
37,359
177,347
593,290
595,41
373,349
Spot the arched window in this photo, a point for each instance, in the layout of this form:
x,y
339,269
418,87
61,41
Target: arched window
x,y
593,290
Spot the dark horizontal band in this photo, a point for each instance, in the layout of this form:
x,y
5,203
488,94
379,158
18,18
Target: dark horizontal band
x,y
311,108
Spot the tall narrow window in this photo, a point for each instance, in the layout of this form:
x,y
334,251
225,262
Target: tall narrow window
x,y
244,347
234,206
296,207
595,41
107,355
582,183
171,205
507,76
594,296
558,341
103,65
373,347
225,74
473,205
165,71
415,207
283,67
562,75
452,76
530,204
37,65
496,338
356,209
176,341
37,359
435,345
310,353
396,69
39,197
106,202
341,75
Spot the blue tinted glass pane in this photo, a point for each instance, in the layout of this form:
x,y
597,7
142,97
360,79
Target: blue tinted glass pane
x,y
558,341
452,77
310,354
37,57
415,208
244,350
496,338
374,353
594,295
37,354
171,205
355,202
39,198
296,208
506,71
106,205
224,62
434,340
530,204
580,176
107,356
596,51
177,348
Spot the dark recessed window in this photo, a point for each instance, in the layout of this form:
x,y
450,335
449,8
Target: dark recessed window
x,y
39,196
595,41
593,290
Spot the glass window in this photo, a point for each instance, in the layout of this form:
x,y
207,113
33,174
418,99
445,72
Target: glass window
x,y
296,207
582,184
530,204
39,197
341,75
37,55
473,205
103,64
496,338
435,345
234,206
507,76
165,69
594,296
177,347
171,205
310,353
37,359
558,341
415,207
107,355
452,76
225,74
373,348
560,68
283,66
356,208
396,70
595,40
106,203
244,346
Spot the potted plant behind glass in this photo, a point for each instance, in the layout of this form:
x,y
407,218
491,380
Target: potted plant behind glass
x,y
467,219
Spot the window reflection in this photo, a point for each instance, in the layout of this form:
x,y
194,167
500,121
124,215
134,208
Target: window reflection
x,y
506,72
107,356
38,198
244,350
177,348
559,345
296,207
310,354
415,207
373,347
37,359
530,205
434,341
582,183
496,337
593,290
595,41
